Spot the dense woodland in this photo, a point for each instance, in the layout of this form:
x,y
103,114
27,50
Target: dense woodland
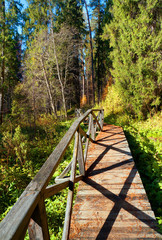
x,y
56,56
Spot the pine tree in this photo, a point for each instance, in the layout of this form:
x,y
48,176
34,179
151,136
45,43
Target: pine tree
x,y
72,14
10,52
101,16
36,17
135,37
91,50
2,59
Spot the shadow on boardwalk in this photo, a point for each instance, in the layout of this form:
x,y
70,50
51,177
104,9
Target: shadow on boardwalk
x,y
111,200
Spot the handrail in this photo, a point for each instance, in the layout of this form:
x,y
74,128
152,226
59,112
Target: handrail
x,y
29,211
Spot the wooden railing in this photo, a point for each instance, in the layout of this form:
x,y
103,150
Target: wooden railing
x,y
29,211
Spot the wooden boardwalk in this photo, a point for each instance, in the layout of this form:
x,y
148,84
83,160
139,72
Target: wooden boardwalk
x,y
111,202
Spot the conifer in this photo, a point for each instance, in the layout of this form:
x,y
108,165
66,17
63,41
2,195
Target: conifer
x,y
135,37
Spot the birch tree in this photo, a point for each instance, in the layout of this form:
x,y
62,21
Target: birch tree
x,y
36,64
65,46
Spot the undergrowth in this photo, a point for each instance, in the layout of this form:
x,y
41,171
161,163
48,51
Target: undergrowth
x,y
23,150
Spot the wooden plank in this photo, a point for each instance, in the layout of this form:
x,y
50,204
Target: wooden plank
x,y
87,141
43,218
12,226
64,172
34,230
111,202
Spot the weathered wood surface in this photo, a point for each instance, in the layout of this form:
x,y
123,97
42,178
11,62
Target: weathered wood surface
x,y
111,201
31,202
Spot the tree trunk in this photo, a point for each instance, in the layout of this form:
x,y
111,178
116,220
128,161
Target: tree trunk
x,y
59,77
91,47
83,79
57,66
3,64
98,56
49,90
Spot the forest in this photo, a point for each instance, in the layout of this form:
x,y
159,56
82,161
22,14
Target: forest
x,y
57,56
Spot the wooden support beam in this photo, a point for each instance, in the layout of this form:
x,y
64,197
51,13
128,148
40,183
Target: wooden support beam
x,y
80,156
38,226
85,134
92,128
66,170
53,189
101,117
97,121
71,191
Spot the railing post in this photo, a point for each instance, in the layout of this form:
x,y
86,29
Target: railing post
x,y
101,117
81,157
71,190
87,141
92,128
38,227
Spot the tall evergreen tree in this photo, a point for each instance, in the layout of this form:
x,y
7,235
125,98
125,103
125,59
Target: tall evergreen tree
x,y
10,47
135,37
73,16
101,16
36,17
2,59
91,50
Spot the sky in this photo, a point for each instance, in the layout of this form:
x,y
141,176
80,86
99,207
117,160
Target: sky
x,y
24,3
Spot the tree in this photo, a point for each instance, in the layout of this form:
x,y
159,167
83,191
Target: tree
x,y
135,37
91,48
49,65
37,74
2,35
36,17
101,16
10,52
65,46
72,15
53,15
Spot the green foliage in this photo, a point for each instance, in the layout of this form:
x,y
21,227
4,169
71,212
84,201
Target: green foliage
x,y
21,107
36,17
23,151
12,182
15,145
113,103
102,49
72,15
135,35
10,12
